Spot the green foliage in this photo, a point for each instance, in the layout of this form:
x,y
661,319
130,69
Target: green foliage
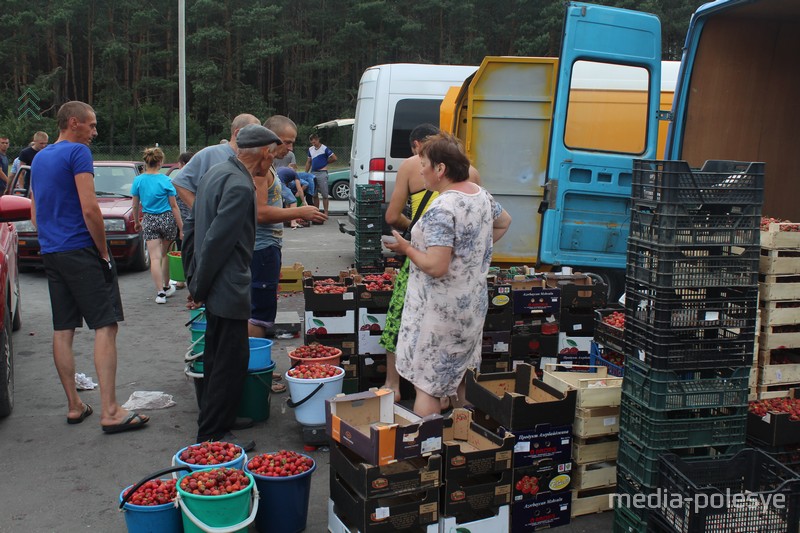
x,y
302,58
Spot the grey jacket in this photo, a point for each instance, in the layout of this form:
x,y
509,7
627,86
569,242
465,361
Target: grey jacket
x,y
219,239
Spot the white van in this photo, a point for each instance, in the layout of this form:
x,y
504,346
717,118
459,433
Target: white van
x,y
392,100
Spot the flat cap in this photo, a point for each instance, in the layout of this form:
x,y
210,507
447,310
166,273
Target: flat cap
x,y
255,135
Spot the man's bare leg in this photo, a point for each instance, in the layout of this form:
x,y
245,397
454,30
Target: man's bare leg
x,y
65,366
105,363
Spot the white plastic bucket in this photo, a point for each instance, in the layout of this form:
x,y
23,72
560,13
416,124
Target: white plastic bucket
x,y
308,396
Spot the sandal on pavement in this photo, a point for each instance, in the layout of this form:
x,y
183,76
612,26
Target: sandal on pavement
x,y
278,388
128,424
87,410
277,376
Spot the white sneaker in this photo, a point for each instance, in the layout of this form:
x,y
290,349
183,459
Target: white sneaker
x,y
170,291
161,298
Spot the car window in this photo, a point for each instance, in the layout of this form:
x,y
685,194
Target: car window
x,y
114,180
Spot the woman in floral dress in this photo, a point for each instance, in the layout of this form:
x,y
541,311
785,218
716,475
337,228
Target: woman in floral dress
x,y
450,251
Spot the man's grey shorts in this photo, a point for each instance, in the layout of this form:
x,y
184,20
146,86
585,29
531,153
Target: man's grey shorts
x,y
321,180
80,288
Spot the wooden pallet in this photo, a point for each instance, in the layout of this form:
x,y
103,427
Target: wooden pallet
x,y
779,336
779,287
775,238
591,501
779,261
768,392
594,475
780,312
596,422
594,450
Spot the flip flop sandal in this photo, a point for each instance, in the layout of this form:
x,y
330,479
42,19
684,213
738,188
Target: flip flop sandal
x,y
87,410
278,388
128,424
277,376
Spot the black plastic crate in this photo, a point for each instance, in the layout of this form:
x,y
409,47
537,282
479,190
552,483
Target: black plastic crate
x,y
691,312
717,182
683,226
750,475
371,224
677,267
788,455
374,209
669,390
685,428
609,336
369,193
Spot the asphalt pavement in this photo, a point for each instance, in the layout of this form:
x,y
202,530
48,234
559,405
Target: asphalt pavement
x,y
65,478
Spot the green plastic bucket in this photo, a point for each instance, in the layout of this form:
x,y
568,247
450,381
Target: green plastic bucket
x,y
176,266
229,511
255,395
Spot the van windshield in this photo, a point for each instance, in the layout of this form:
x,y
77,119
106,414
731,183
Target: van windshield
x,y
408,114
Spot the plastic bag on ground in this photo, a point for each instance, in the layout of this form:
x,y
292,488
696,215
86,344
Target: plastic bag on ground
x,y
143,399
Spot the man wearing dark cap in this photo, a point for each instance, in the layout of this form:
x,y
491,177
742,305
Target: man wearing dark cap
x,y
218,248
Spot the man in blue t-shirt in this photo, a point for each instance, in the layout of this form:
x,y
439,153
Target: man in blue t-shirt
x,y
81,274
319,156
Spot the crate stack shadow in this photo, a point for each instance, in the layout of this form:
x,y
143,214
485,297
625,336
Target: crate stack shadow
x,y
691,301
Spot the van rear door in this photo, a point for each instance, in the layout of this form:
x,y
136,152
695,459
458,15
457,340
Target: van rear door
x,y
363,129
586,209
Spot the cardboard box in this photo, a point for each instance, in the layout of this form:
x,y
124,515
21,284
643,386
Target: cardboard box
x,y
470,450
346,342
518,400
371,371
534,345
291,278
329,302
386,514
547,511
349,385
350,365
370,326
577,322
774,429
375,300
567,341
491,363
333,322
495,342
580,292
472,497
536,300
495,523
381,432
541,324
548,476
372,481
595,387
532,446
500,314
337,525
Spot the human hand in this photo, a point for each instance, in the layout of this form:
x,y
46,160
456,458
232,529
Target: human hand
x,y
313,214
191,304
400,245
137,226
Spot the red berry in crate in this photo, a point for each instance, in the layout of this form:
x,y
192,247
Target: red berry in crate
x,y
615,320
154,492
215,482
280,464
210,453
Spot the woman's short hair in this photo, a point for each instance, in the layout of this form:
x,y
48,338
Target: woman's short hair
x,y
153,156
448,150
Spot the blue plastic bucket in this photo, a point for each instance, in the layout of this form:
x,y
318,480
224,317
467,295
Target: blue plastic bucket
x,y
164,518
284,502
260,354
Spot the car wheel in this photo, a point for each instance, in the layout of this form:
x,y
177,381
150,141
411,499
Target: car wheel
x,y
6,368
142,260
17,322
341,190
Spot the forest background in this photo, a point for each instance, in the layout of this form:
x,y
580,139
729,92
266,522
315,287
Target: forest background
x,y
299,58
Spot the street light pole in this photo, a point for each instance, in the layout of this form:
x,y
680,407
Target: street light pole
x,y
182,73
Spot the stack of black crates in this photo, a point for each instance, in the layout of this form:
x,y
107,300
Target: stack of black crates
x,y
369,223
691,300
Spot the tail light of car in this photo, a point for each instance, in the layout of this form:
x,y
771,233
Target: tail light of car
x,y
377,174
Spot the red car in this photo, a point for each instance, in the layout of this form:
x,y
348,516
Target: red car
x,y
112,185
11,209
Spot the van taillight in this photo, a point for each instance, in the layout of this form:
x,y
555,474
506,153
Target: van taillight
x,y
377,165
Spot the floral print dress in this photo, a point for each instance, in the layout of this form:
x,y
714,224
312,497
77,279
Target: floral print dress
x,y
441,330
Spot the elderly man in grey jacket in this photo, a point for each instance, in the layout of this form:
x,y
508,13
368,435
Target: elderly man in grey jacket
x,y
218,248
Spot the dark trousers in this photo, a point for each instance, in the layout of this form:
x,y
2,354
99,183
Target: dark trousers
x,y
225,360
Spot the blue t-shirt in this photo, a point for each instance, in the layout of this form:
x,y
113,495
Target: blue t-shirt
x,y
59,215
153,191
319,157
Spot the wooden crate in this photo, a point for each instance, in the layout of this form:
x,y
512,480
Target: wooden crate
x,y
594,450
775,238
596,421
770,373
779,287
594,475
779,261
291,279
781,336
780,312
595,389
591,501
